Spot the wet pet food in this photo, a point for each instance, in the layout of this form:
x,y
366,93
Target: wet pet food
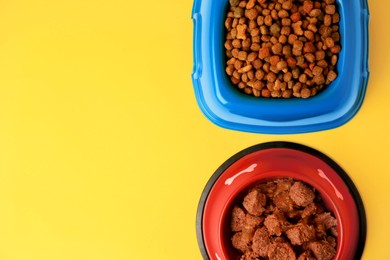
x,y
283,220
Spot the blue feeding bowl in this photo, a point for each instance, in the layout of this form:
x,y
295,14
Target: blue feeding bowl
x,y
223,104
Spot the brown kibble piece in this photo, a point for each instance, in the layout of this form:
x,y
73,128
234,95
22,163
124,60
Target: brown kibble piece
x,y
335,49
251,14
238,12
245,69
235,80
287,5
228,45
309,47
234,3
327,20
281,65
250,4
241,31
264,53
287,93
246,44
255,47
297,27
242,55
334,60
329,42
320,55
252,56
228,23
277,48
257,64
309,35
275,29
274,60
265,93
315,12
258,85
295,17
248,90
310,57
282,14
335,18
291,61
238,64
298,45
308,6
317,70
331,76
271,77
259,74
330,9
229,70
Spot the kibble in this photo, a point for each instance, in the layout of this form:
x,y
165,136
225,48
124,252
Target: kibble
x,y
282,48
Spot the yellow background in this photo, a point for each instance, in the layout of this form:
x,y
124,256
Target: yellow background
x,y
103,150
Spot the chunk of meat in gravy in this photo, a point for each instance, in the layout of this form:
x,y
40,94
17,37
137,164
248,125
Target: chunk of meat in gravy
x,y
281,251
326,219
268,189
241,220
301,194
238,219
301,233
251,222
322,250
276,223
283,220
254,202
283,185
261,242
309,210
332,241
242,240
283,202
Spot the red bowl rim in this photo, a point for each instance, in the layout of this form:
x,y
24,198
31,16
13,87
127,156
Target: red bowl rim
x,y
358,206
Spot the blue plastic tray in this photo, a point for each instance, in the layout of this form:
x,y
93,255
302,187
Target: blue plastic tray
x,y
225,106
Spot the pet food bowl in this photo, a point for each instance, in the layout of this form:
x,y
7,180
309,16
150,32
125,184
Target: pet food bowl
x,y
270,161
223,104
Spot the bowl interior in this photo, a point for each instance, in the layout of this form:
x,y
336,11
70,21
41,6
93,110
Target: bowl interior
x,y
226,234
287,109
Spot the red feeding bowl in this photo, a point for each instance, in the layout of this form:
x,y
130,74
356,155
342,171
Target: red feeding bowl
x,y
269,161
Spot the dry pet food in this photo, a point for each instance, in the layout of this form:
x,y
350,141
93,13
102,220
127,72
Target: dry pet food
x,y
282,48
283,220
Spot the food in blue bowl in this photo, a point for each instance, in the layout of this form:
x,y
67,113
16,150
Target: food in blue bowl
x,y
323,91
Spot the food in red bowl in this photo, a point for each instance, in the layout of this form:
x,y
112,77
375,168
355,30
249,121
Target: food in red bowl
x,y
273,162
